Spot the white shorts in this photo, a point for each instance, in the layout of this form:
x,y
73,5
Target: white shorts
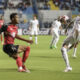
x,y
55,34
69,40
34,32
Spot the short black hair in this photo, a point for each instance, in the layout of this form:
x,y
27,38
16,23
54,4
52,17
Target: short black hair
x,y
13,15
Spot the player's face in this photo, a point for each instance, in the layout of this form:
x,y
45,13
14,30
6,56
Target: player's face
x,y
34,17
16,19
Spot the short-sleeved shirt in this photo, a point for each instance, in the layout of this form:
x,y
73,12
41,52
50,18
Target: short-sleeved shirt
x,y
10,32
56,25
34,24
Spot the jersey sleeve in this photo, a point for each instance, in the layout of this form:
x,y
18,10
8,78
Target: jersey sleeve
x,y
3,28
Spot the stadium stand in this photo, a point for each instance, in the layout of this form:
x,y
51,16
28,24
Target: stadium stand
x,y
22,7
25,10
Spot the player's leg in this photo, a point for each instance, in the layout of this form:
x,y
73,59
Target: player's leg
x,y
75,49
26,50
36,33
53,40
14,51
56,39
18,62
31,33
65,57
51,44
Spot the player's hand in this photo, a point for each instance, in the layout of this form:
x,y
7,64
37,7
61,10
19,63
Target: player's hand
x,y
30,41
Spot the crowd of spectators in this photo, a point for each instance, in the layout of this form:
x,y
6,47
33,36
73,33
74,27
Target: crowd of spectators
x,y
67,4
23,7
73,5
14,4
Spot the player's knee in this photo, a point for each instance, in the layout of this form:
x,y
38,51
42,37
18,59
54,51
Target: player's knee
x,y
15,57
63,49
28,48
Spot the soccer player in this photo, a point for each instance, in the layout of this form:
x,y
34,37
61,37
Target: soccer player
x,y
70,24
10,33
72,39
1,23
75,49
65,18
55,32
34,28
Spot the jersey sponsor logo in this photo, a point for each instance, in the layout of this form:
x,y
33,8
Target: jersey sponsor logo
x,y
13,34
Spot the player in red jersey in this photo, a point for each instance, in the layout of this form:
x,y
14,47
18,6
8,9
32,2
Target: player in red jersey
x,y
1,23
10,33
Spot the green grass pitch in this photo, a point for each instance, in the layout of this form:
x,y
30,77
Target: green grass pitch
x,y
44,63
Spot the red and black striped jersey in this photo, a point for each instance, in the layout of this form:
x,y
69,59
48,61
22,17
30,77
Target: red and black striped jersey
x,y
10,32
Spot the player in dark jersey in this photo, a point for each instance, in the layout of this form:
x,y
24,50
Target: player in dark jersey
x,y
10,33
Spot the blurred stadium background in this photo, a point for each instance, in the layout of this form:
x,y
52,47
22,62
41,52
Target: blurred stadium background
x,y
46,10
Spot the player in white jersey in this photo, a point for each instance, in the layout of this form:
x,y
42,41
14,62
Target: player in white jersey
x,y
72,39
65,17
34,28
71,23
55,32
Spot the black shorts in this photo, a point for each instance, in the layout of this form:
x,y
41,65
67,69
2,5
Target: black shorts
x,y
10,49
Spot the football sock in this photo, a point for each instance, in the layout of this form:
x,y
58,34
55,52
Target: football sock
x,y
65,56
36,40
56,41
19,62
74,53
26,54
52,42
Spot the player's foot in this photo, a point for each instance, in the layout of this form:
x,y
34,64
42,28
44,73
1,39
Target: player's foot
x,y
55,47
51,47
21,70
36,43
24,67
68,69
26,70
74,56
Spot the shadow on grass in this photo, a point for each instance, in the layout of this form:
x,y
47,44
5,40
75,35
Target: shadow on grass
x,y
8,70
47,56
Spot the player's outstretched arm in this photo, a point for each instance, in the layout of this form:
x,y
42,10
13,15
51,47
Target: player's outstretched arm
x,y
20,38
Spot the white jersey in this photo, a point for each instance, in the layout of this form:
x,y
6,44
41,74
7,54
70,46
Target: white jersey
x,y
77,24
56,25
34,24
73,37
77,27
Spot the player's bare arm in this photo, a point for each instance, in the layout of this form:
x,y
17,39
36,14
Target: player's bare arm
x,y
60,28
20,38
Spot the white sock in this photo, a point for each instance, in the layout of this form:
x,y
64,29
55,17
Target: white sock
x,y
36,40
20,68
30,38
52,42
65,56
56,41
74,53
